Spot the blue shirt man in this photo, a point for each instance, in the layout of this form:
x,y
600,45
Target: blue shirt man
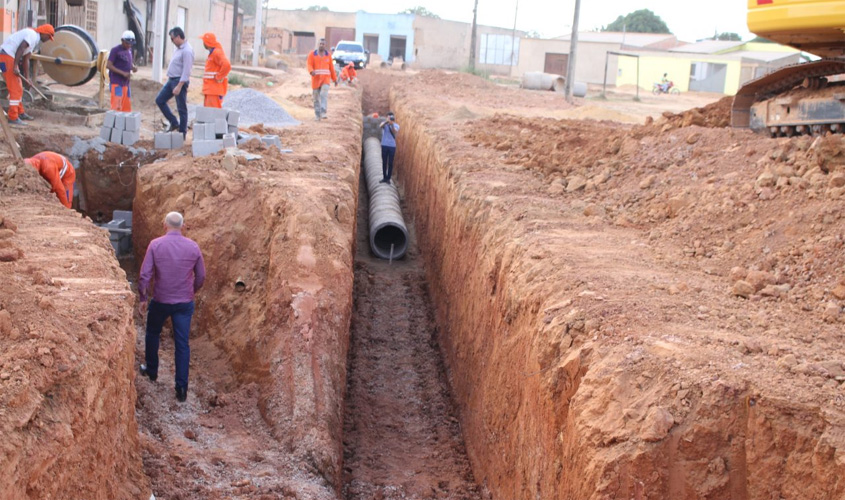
x,y
389,129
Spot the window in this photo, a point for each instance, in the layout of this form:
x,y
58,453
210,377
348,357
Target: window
x,y
182,19
499,49
91,17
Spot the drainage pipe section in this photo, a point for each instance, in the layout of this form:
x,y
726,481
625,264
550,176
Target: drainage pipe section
x,y
387,227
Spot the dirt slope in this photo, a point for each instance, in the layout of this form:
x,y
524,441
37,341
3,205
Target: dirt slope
x,y
647,312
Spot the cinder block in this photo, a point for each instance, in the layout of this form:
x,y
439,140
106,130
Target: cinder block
x,y
229,141
105,132
130,138
210,134
120,121
219,113
233,129
133,122
162,140
205,148
108,120
116,135
272,140
177,140
221,127
199,131
124,215
232,117
205,115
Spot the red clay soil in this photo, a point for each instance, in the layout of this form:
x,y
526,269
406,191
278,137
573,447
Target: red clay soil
x,y
264,412
401,437
649,312
67,392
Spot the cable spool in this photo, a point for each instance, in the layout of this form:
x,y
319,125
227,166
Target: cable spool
x,y
70,43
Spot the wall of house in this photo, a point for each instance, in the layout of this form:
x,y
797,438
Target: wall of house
x,y
112,22
307,20
497,69
678,68
385,26
589,63
8,20
440,43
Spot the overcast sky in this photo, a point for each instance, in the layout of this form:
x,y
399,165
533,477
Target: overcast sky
x,y
688,20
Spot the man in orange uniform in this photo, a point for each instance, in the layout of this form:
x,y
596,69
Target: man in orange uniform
x,y
214,81
16,49
349,75
321,67
58,171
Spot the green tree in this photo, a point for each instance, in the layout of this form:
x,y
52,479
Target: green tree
x,y
317,7
421,11
533,34
639,21
248,6
729,37
760,39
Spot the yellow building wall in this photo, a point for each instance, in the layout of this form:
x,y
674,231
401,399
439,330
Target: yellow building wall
x,y
767,47
678,68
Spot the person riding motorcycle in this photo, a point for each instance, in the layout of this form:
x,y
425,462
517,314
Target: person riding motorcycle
x,y
664,82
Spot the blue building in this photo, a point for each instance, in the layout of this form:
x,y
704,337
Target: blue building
x,y
388,35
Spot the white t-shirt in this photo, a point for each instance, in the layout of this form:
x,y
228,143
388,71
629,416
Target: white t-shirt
x,y
28,35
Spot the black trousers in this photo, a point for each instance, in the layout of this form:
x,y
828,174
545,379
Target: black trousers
x,y
387,154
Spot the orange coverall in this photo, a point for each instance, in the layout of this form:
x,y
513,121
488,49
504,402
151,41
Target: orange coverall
x,y
348,74
58,171
217,67
323,68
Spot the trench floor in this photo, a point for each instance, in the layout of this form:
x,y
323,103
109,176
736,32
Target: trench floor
x,y
401,435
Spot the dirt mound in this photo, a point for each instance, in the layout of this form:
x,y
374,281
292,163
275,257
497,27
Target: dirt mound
x,y
715,115
67,392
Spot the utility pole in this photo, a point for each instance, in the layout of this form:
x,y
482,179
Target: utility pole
x,y
513,35
159,29
233,54
573,49
472,38
256,44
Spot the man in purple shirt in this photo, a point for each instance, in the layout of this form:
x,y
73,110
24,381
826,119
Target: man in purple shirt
x,y
121,65
178,79
175,264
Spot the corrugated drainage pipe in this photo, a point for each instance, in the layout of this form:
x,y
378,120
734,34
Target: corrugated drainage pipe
x,y
388,234
387,227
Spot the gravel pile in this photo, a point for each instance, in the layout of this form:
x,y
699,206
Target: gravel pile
x,y
256,107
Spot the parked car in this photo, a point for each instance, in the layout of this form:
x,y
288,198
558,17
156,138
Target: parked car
x,y
350,52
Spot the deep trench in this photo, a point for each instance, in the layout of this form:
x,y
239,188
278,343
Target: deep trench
x,y
402,438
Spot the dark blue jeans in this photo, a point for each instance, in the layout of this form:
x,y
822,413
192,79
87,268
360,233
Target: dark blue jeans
x,y
165,94
180,315
387,154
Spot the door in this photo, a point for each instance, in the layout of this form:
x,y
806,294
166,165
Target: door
x,y
707,77
556,64
370,45
304,42
397,47
335,35
182,19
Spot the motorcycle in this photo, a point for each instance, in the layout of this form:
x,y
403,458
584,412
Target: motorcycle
x,y
670,88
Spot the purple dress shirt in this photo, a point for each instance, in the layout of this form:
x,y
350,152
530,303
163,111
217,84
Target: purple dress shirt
x,y
177,266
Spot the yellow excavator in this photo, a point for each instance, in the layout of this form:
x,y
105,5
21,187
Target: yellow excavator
x,y
806,98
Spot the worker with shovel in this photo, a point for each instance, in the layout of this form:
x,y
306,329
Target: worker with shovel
x,y
215,80
58,171
14,51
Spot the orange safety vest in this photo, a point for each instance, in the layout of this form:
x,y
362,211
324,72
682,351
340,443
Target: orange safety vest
x,y
323,69
217,67
348,73
58,171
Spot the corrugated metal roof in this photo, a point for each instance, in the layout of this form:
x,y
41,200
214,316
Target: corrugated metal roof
x,y
707,47
628,39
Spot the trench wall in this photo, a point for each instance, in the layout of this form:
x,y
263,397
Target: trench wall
x,y
67,337
558,399
286,229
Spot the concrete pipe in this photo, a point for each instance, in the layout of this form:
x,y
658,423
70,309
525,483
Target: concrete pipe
x,y
387,227
579,89
543,81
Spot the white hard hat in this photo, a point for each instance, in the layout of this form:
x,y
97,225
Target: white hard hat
x,y
127,35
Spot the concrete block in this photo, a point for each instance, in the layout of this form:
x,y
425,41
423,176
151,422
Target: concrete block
x,y
210,134
130,138
205,148
232,117
219,113
205,115
120,121
233,129
229,141
116,135
124,215
133,122
221,127
108,120
272,140
162,140
177,140
199,131
105,132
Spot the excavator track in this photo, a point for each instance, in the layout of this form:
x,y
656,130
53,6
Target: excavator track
x,y
789,102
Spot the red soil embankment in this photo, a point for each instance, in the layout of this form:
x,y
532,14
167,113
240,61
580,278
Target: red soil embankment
x,y
67,392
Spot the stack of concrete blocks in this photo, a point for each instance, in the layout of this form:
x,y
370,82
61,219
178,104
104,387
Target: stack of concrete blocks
x,y
169,140
120,232
214,129
121,128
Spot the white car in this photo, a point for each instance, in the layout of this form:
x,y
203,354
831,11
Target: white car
x,y
350,52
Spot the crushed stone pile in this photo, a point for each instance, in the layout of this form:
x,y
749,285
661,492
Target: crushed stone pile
x,y
256,107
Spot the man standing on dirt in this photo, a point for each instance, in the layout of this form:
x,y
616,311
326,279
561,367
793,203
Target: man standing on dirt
x,y
121,65
215,80
389,128
178,79
16,50
58,171
321,68
176,264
